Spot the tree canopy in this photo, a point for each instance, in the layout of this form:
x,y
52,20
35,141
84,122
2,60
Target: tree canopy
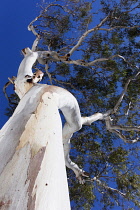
x,y
94,53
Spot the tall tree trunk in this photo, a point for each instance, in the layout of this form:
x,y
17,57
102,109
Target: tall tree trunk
x,y
32,169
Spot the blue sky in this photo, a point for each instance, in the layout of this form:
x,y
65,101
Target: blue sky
x,y
15,16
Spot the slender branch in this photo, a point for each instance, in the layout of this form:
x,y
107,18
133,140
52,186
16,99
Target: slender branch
x,y
31,27
47,72
137,6
66,83
128,63
129,106
114,110
115,128
35,43
126,128
105,186
95,29
112,128
11,81
123,137
84,63
104,59
115,27
86,33
121,96
107,118
4,90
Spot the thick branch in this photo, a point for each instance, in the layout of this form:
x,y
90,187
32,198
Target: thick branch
x,y
92,118
54,56
26,78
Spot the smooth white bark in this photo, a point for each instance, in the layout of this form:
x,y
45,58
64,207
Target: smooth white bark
x,y
12,130
33,176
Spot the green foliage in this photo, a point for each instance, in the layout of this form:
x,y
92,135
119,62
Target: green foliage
x,y
80,201
118,156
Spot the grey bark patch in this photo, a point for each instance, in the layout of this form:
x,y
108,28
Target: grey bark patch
x,y
34,168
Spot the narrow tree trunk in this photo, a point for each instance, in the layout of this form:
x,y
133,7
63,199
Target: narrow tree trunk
x,y
32,166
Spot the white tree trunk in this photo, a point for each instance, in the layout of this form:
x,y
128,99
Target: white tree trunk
x,y
32,167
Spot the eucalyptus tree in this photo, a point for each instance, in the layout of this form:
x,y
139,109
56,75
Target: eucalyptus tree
x,y
91,48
